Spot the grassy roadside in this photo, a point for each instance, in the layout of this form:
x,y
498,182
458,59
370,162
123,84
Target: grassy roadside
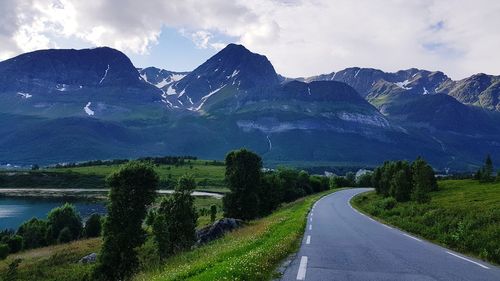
x,y
251,253
463,215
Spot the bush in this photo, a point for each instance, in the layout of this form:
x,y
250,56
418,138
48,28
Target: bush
x,y
213,213
365,180
63,217
93,226
65,236
386,203
4,251
15,243
33,233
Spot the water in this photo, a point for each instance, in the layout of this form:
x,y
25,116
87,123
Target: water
x,y
16,210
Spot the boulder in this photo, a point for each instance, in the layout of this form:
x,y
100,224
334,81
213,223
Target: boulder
x,y
92,258
217,230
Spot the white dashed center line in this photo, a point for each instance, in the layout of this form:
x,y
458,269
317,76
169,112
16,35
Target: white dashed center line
x,y
301,275
308,241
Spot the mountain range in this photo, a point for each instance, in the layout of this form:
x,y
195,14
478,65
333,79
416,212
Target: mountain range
x,y
76,105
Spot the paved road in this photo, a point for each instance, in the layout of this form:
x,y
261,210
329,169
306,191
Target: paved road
x,y
342,244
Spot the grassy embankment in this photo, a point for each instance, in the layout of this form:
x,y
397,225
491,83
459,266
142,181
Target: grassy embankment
x,y
59,262
250,253
463,215
208,176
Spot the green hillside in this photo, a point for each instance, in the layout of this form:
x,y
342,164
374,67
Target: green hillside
x,y
463,215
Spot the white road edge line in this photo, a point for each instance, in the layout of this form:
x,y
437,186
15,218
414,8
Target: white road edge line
x,y
308,241
386,226
415,238
466,259
301,274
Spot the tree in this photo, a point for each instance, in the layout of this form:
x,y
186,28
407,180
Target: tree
x,y
243,176
289,184
486,174
33,233
270,193
424,180
364,180
401,185
351,179
174,227
15,243
4,251
132,189
213,213
65,236
93,226
62,217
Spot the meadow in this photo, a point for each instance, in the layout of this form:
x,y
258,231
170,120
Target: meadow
x,y
209,176
463,215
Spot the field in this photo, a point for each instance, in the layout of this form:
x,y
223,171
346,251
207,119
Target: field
x,y
250,253
208,176
463,215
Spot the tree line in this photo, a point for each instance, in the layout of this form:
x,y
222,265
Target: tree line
x,y
405,181
486,172
160,160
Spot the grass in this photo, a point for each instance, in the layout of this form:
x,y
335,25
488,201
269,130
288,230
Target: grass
x,y
59,262
208,177
463,215
250,253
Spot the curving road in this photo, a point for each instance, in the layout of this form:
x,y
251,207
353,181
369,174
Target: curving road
x,y
343,244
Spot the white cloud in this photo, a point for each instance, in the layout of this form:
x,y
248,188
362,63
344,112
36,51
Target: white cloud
x,y
301,38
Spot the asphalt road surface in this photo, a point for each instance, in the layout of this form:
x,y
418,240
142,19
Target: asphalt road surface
x,y
342,244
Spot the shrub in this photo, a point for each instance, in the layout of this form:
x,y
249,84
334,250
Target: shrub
x,y
62,217
386,204
213,213
33,233
93,226
4,251
15,243
65,235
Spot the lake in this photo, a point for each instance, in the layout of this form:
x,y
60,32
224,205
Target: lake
x,y
16,210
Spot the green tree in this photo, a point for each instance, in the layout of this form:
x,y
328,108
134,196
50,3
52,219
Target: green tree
x,y
33,233
4,251
15,243
62,217
133,188
213,213
65,235
290,188
364,180
424,180
351,179
401,185
270,193
243,176
93,226
486,174
175,225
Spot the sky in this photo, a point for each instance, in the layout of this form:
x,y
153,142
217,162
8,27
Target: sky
x,y
299,37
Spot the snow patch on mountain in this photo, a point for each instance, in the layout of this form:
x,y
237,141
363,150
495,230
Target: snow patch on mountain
x,y
403,85
105,74
87,109
171,91
205,98
24,95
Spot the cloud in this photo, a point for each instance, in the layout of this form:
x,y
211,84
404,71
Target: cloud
x,y
300,37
